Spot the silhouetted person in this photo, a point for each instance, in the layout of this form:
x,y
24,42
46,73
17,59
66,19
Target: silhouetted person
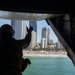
x,y
11,61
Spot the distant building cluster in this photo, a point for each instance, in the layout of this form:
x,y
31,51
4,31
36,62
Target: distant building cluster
x,y
20,33
46,42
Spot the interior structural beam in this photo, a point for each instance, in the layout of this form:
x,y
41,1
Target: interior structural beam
x,y
64,30
38,6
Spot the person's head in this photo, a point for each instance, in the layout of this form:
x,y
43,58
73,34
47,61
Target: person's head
x,y
6,29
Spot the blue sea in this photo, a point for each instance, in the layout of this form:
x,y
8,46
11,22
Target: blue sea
x,y
50,66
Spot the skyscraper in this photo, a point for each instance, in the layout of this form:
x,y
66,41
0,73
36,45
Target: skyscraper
x,y
43,43
33,40
34,33
51,41
34,25
59,45
46,34
19,28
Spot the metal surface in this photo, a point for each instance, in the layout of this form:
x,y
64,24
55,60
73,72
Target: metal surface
x,y
38,6
62,28
25,16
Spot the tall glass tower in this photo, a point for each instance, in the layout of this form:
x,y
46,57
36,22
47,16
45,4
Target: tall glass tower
x,y
46,35
34,25
19,28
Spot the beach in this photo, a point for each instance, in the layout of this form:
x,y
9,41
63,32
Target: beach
x,y
45,53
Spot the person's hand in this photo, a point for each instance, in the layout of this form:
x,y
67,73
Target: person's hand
x,y
28,61
30,29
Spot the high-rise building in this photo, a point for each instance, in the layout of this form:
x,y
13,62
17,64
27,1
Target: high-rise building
x,y
33,41
51,41
19,28
43,44
34,25
46,34
59,45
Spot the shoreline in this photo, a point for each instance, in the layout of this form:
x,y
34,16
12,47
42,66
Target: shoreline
x,y
45,53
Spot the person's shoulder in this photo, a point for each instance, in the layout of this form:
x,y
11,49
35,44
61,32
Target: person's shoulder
x,y
13,39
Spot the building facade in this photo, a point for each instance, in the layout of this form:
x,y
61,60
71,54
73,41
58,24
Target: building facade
x,y
34,25
33,41
19,28
34,33
46,35
43,43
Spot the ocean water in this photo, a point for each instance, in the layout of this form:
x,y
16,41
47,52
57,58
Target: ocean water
x,y
50,66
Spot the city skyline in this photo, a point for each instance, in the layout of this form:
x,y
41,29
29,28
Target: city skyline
x,y
40,25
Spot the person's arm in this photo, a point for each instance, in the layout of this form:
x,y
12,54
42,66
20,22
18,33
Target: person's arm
x,y
26,41
26,62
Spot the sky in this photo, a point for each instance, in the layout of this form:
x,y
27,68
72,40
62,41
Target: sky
x,y
40,25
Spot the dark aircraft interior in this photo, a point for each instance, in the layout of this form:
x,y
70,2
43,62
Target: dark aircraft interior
x,y
59,14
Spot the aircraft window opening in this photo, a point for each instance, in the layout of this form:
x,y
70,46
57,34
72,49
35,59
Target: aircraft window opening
x,y
45,51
